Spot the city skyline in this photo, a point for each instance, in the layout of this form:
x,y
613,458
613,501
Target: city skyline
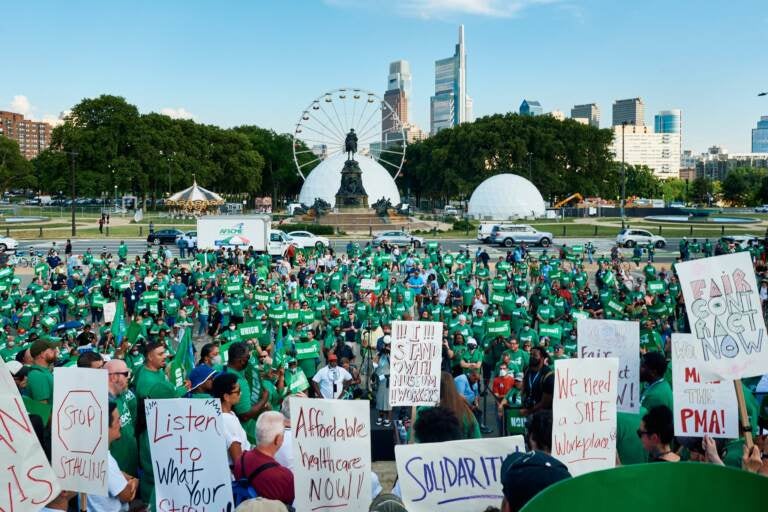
x,y
260,64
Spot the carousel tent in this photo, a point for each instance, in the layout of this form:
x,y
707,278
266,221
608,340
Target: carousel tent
x,y
194,200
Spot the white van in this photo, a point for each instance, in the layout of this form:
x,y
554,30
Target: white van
x,y
484,231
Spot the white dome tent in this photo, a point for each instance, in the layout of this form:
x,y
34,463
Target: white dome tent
x,y
325,179
506,196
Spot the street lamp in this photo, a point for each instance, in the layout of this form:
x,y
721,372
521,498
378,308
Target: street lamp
x,y
623,176
72,156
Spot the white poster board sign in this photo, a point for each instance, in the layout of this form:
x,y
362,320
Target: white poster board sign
x,y
27,482
725,314
367,284
110,308
701,408
414,365
615,338
189,454
584,414
80,429
332,450
454,476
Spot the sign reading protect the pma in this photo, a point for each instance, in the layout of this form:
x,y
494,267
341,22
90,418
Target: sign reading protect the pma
x,y
455,476
723,306
415,363
701,408
27,482
332,445
584,414
614,338
80,429
189,455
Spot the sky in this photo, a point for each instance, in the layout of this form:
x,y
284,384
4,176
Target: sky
x,y
234,62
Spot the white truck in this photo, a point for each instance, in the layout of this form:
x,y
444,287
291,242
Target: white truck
x,y
243,231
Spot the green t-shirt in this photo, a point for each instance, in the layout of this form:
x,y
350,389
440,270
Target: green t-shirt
x,y
40,383
125,450
655,394
628,445
153,384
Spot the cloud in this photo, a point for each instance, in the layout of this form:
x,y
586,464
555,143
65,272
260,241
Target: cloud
x,y
428,9
55,120
22,105
176,113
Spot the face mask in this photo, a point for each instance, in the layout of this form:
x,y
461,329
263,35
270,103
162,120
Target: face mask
x,y
527,327
216,360
502,373
231,327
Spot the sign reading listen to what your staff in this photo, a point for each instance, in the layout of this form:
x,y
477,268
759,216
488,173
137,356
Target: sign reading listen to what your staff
x,y
415,359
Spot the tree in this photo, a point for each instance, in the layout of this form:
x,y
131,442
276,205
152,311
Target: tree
x,y
674,189
15,170
702,190
741,186
641,182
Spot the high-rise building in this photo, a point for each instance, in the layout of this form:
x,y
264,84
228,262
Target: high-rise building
x,y
396,99
760,136
400,77
33,137
631,111
588,111
716,163
638,145
448,107
557,114
668,121
531,108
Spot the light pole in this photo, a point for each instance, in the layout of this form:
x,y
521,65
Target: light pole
x,y
72,156
623,175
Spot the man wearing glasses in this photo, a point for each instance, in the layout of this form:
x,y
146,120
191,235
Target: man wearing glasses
x,y
124,450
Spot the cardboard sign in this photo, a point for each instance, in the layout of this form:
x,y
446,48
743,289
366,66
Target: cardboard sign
x,y
249,330
614,338
332,447
701,408
189,454
367,284
455,476
725,314
110,308
498,329
415,363
79,429
27,481
584,414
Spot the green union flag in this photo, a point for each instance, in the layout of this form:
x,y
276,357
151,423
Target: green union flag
x,y
183,361
119,326
498,328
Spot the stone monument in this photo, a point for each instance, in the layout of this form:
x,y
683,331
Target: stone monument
x,y
351,192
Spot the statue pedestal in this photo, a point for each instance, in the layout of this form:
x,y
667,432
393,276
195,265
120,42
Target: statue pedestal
x,y
351,192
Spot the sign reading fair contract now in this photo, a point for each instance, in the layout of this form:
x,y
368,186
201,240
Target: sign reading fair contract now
x,y
414,367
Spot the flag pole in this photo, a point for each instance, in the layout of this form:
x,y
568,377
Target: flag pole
x,y
745,427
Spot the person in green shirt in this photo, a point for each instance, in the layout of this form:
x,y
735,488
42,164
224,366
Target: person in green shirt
x,y
253,397
124,450
201,381
472,358
40,378
295,379
629,448
122,252
152,379
657,390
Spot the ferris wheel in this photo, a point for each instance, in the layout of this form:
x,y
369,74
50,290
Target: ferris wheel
x,y
323,126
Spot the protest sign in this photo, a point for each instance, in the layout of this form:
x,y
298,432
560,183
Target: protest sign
x,y
189,454
367,284
498,329
446,476
414,374
614,338
725,314
332,445
27,482
79,429
701,407
584,414
109,311
249,330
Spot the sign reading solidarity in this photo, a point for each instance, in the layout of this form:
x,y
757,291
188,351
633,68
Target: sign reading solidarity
x,y
332,444
723,306
584,414
189,455
614,338
415,363
445,476
27,482
701,408
80,429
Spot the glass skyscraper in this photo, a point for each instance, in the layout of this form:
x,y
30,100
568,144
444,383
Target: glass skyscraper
x,y
760,136
448,107
531,108
667,121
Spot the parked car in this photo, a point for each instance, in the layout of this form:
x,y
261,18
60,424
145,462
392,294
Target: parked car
x,y
509,235
451,210
485,232
741,240
762,209
305,239
400,238
164,236
677,205
632,237
8,244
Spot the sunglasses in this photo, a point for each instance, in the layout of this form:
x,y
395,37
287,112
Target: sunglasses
x,y
641,433
124,374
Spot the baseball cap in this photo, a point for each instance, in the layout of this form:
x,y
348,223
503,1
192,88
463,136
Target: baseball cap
x,y
40,346
525,474
200,374
519,376
332,357
471,341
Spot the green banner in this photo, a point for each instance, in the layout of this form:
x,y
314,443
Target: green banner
x,y
550,330
498,328
250,330
656,286
292,315
308,350
515,421
234,288
577,313
40,268
150,296
261,296
615,306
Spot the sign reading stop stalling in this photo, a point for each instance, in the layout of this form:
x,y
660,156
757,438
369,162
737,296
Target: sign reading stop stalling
x,y
79,429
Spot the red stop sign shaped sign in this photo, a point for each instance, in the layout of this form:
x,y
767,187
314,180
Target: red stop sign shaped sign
x,y
80,420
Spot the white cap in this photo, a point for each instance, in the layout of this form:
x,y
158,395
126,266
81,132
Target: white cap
x,y
471,341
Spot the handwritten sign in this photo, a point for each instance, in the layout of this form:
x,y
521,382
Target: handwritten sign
x,y
80,429
332,445
189,455
367,284
584,414
723,306
110,308
415,363
701,408
454,476
27,481
614,338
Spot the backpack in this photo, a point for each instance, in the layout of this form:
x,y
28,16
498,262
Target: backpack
x,y
241,488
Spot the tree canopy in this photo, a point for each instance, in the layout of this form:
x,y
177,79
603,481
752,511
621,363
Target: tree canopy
x,y
15,170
